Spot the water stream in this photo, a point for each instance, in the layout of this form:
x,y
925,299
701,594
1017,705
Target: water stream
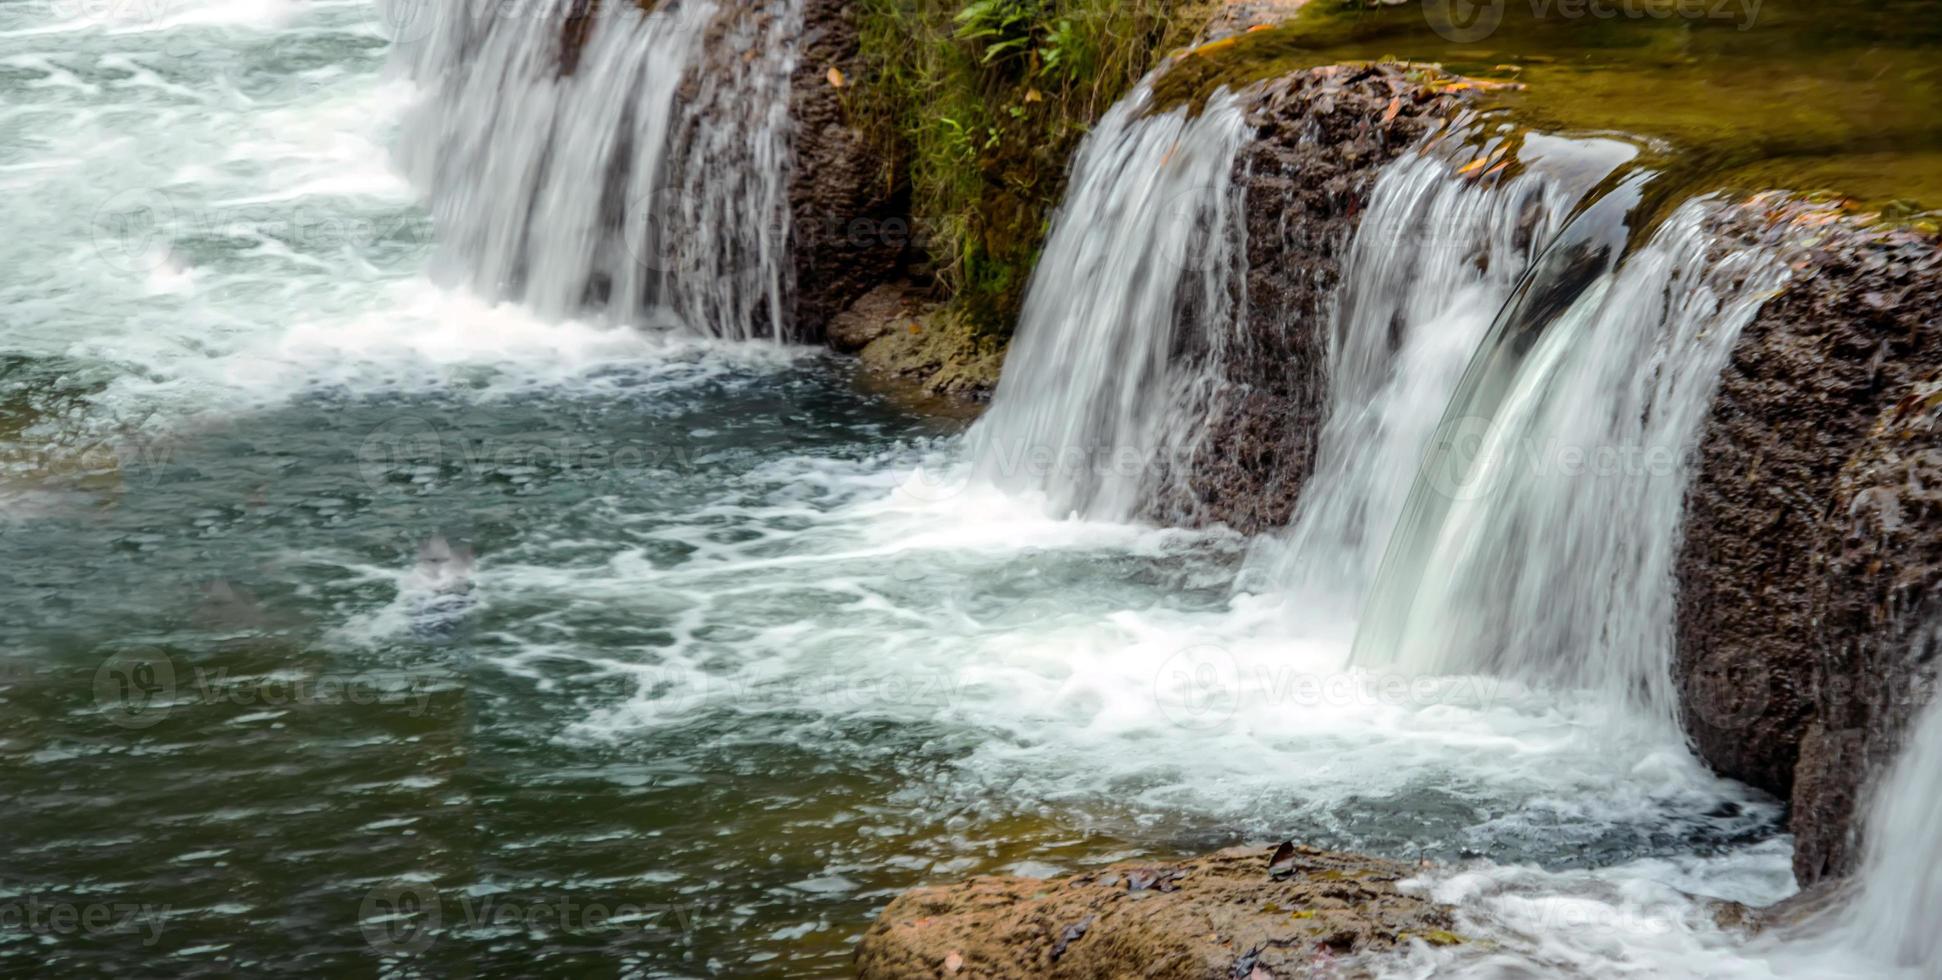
x,y
398,561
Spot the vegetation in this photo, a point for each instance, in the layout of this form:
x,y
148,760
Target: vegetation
x,y
978,106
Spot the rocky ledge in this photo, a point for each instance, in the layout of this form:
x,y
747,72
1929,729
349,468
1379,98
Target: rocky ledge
x,y
1813,532
1246,912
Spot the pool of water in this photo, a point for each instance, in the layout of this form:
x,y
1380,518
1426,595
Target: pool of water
x,y
355,623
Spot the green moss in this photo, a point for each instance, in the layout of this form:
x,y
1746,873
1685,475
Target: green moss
x,y
978,105
1793,94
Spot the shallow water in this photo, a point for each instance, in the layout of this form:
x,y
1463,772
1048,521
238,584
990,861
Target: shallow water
x,y
717,641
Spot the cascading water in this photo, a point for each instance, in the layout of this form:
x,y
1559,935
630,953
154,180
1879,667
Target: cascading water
x,y
1142,267
1900,902
650,182
1432,261
1540,533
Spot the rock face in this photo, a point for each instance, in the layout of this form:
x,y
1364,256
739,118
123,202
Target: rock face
x,y
1812,536
1322,136
850,232
1220,916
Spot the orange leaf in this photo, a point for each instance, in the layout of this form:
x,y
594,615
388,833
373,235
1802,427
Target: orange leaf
x,y
835,77
1389,114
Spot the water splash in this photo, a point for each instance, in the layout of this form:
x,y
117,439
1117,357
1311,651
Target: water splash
x,y
1539,537
1432,261
649,184
1128,316
1895,914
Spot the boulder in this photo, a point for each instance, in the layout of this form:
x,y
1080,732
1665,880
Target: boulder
x,y
1810,538
1247,912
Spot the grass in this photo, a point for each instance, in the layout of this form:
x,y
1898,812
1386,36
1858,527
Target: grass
x,y
978,105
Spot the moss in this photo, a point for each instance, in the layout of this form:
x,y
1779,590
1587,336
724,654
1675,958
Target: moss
x,y
978,105
1803,95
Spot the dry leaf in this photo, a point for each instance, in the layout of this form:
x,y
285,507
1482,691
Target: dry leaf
x,y
835,77
1389,114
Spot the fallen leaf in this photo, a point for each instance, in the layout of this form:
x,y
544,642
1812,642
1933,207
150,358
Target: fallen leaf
x,y
1389,114
835,77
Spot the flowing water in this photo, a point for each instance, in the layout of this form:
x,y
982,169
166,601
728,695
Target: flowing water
x,y
362,621
1141,268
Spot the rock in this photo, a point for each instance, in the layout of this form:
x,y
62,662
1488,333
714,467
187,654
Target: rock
x,y
909,343
1217,916
850,228
1323,136
1241,16
1811,538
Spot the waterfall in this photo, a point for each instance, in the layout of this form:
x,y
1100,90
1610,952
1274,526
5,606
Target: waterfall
x,y
1430,264
1128,314
1896,913
648,184
1540,533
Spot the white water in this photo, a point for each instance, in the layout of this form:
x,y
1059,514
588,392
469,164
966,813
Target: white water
x,y
604,188
1059,659
1129,313
1433,259
1548,555
1898,910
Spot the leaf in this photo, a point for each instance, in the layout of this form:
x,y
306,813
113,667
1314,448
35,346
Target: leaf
x,y
953,962
1472,167
835,77
1388,115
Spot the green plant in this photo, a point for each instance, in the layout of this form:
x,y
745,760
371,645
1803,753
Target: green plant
x,y
977,107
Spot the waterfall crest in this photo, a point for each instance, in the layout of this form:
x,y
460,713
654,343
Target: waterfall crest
x,y
648,185
1432,261
1128,315
1539,537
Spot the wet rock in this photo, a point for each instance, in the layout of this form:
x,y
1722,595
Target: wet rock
x,y
849,229
1224,917
1813,538
910,345
1241,16
1322,137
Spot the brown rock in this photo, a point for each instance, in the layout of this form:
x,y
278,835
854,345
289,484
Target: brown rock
x,y
1808,552
1323,136
1217,916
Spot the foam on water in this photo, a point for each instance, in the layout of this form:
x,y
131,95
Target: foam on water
x,y
862,605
